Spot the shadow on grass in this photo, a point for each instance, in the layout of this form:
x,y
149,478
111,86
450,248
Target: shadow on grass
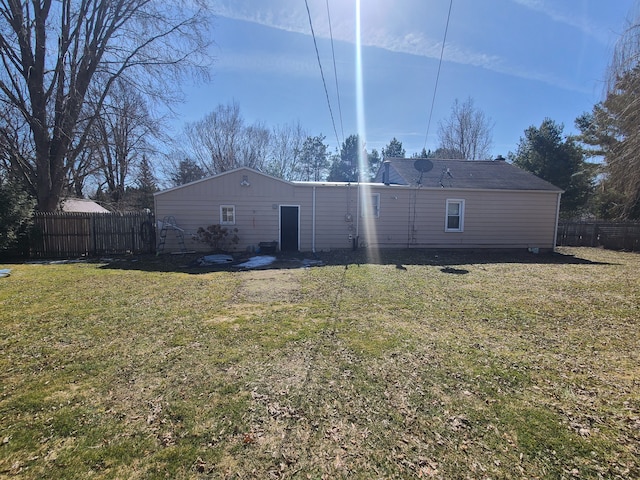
x,y
455,271
402,259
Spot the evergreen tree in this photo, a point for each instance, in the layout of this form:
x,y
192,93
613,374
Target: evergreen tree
x,y
394,149
16,208
374,163
187,171
146,186
345,166
544,152
422,154
612,129
314,161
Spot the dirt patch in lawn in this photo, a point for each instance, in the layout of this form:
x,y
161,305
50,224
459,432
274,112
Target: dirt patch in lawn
x,y
268,286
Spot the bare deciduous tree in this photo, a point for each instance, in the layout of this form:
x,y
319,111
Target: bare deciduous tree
x,y
467,131
626,54
53,52
221,141
254,146
615,123
285,151
83,168
121,136
213,139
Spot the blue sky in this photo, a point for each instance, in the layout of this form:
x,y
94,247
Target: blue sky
x,y
519,60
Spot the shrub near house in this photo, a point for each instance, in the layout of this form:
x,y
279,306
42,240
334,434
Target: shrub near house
x,y
218,237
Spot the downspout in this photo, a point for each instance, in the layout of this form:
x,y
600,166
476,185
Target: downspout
x,y
358,216
313,220
156,234
555,230
413,202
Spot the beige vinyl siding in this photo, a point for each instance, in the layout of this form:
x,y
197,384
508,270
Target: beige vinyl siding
x,y
512,219
333,204
408,216
198,205
389,228
518,219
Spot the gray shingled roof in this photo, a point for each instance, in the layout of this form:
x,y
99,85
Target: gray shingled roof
x,y
485,174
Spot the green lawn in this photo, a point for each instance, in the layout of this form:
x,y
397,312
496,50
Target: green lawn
x,y
446,366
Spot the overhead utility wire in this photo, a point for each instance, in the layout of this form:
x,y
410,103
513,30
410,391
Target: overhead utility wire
x,y
335,73
322,72
433,100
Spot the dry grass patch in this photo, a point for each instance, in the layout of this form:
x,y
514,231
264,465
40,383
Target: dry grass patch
x,y
269,286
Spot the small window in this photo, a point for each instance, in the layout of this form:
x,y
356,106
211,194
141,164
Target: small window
x,y
373,208
227,215
454,221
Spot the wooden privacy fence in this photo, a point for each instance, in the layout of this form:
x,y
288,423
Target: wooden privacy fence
x,y
611,235
61,234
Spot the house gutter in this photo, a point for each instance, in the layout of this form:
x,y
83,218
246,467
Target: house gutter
x,y
555,230
313,220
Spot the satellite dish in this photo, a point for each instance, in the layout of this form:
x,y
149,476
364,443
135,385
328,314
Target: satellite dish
x,y
423,165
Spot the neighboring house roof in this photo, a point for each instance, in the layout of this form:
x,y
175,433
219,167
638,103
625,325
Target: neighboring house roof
x,y
484,174
81,205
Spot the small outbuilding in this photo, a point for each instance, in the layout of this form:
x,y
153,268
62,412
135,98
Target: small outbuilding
x,y
412,203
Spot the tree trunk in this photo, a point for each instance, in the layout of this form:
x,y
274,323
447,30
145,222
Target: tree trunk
x,y
50,182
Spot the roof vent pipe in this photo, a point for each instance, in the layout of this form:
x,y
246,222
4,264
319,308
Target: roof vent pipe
x,y
500,158
385,173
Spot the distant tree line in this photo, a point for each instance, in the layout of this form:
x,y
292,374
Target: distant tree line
x,y
222,140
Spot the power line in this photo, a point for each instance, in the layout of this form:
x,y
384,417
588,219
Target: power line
x,y
335,73
322,73
435,88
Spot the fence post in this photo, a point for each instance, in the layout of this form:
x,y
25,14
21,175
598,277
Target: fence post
x,y
94,234
625,236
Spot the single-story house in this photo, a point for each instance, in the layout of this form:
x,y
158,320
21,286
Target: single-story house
x,y
410,204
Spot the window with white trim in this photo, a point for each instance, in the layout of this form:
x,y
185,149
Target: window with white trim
x,y
454,220
373,208
227,214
